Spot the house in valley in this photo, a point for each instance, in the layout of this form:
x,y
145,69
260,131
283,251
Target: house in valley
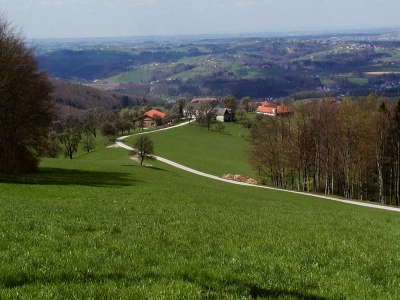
x,y
197,102
150,118
272,109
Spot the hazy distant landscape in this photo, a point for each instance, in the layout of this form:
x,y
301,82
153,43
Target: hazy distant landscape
x,y
168,157
260,67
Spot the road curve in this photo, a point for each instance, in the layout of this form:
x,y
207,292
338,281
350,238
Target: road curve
x,y
119,142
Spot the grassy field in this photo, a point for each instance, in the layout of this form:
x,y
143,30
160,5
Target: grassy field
x,y
102,227
204,150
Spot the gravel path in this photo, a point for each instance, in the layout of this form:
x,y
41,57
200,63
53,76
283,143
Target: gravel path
x,y
119,142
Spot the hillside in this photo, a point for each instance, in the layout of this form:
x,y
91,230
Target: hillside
x,y
101,226
72,98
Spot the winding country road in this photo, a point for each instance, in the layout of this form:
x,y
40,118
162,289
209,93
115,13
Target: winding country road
x,y
119,143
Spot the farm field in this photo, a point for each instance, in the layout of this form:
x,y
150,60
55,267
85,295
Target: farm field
x,y
102,227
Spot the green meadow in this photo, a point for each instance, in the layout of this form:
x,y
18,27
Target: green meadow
x,y
100,226
205,150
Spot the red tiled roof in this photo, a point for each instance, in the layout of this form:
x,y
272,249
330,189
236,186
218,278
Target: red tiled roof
x,y
265,110
283,110
270,109
267,104
152,113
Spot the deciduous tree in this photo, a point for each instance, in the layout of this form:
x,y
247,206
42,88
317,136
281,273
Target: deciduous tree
x,y
143,147
219,126
26,109
231,103
70,138
108,130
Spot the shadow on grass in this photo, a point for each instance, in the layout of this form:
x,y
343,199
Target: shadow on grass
x,y
22,279
257,292
58,176
251,290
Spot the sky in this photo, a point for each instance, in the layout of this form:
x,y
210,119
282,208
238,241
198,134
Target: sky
x,y
118,18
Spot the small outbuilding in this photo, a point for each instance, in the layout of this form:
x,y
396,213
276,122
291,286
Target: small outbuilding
x,y
223,114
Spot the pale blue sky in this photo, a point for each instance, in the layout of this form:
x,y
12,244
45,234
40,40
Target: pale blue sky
x,y
115,18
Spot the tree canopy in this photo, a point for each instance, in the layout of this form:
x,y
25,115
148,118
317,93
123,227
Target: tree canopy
x,y
143,147
26,109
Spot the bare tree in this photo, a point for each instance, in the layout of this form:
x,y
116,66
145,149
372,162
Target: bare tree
x,y
190,112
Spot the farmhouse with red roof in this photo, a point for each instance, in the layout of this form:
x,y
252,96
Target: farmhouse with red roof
x,y
272,109
150,118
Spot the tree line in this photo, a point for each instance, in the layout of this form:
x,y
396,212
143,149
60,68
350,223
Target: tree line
x,y
350,149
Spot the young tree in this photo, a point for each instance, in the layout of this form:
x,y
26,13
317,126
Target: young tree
x,y
88,142
143,147
26,109
71,137
220,126
244,104
231,103
179,106
190,112
53,148
108,130
205,115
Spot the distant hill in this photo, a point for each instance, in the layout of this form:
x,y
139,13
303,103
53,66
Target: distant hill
x,y
90,64
87,65
72,98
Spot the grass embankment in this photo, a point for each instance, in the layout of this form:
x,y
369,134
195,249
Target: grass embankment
x,y
100,226
205,150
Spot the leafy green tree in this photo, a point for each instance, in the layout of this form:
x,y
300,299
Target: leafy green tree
x,y
143,147
88,142
241,113
231,103
53,148
70,138
26,109
179,106
90,127
108,130
244,104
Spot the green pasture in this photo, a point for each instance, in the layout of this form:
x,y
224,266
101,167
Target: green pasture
x,y
244,72
133,76
199,70
357,80
393,52
205,150
99,226
326,80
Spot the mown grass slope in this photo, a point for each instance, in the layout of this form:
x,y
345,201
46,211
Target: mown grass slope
x,y
205,150
102,227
